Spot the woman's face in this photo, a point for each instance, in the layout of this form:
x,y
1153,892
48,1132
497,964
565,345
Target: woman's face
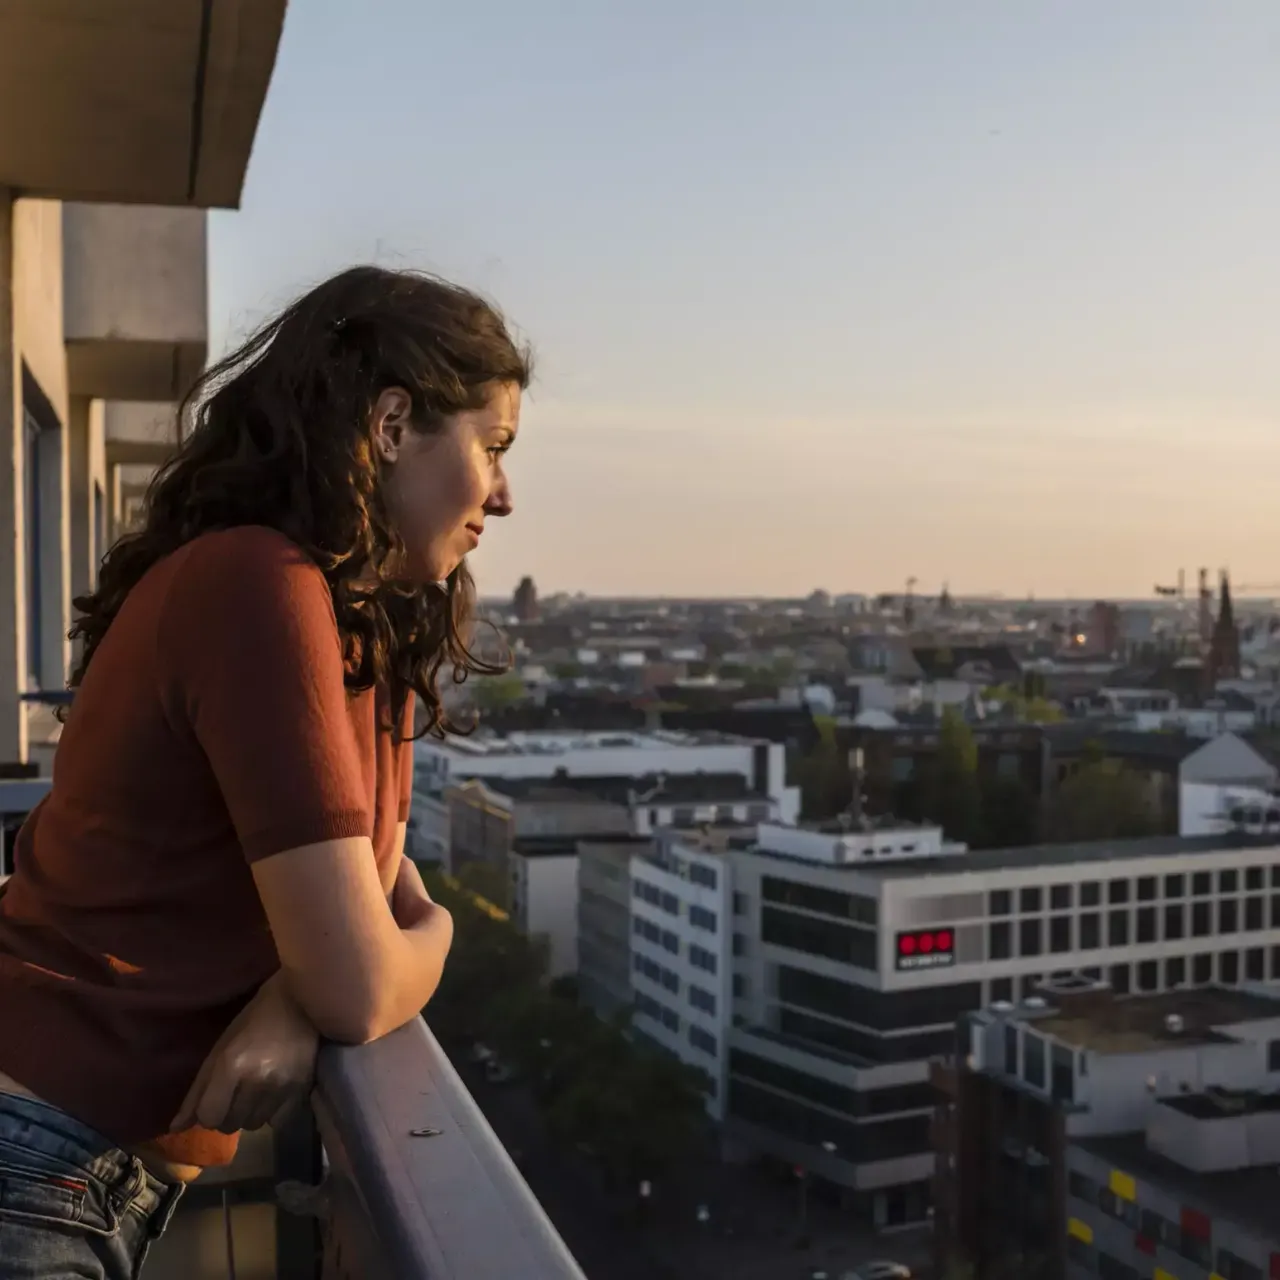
x,y
441,486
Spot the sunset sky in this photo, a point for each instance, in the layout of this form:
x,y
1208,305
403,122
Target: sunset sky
x,y
824,292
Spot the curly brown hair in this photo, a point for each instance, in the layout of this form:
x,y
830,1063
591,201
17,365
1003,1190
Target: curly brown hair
x,y
279,434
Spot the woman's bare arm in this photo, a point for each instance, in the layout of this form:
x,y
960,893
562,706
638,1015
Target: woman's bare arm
x,y
354,971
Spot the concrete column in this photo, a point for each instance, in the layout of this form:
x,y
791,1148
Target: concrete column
x,y
13,625
55,557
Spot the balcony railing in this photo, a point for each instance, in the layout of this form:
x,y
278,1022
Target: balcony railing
x,y
418,1186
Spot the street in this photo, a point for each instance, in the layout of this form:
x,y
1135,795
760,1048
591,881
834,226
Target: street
x,y
751,1227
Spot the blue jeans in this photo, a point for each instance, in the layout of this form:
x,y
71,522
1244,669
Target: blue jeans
x,y
72,1206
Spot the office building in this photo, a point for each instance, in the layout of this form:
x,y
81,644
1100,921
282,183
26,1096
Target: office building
x,y
682,976
859,949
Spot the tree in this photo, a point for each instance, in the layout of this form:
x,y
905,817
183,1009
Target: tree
x,y
1103,800
822,774
497,693
956,800
1010,814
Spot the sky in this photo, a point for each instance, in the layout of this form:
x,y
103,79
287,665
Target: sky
x,y
824,293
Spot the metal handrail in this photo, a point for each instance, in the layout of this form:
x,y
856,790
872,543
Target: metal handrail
x,y
419,1187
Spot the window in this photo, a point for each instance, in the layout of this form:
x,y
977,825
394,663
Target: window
x,y
1033,1061
1232,1267
1174,886
1001,989
1090,931
1082,1187
1110,1268
1201,919
1275,910
1229,968
701,874
1228,915
1201,884
1122,1210
739,904
670,904
1060,897
1090,893
700,958
1273,1055
1118,891
825,902
1148,976
1174,920
1228,881
1253,914
701,918
1175,971
1118,926
1029,900
999,903
670,942
1255,965
703,1000
702,1040
1201,970
739,986
1120,979
999,941
818,937
1253,878
1145,921
670,1019
1059,933
1146,888
1029,937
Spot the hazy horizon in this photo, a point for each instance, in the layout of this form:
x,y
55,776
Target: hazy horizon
x,y
823,295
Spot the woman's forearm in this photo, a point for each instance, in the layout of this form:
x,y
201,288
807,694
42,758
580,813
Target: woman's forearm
x,y
416,967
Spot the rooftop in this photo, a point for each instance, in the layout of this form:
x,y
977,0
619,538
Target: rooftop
x,y
558,743
1104,1023
1097,853
649,788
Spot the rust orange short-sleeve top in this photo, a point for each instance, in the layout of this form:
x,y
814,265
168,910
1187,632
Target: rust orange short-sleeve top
x,y
212,729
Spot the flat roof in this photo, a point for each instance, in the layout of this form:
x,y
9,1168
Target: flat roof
x,y
558,742
1105,1023
1097,852
1246,1197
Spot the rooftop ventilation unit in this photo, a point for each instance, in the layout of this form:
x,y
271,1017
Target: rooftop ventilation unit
x,y
1175,1024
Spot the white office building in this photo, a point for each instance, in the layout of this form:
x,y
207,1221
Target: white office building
x,y
681,948
855,953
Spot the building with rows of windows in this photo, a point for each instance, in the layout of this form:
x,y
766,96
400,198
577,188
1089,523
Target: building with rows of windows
x,y
1087,1134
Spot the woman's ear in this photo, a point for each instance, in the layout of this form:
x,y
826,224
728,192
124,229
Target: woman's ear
x,y
392,417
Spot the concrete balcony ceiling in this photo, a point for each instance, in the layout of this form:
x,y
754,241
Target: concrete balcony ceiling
x,y
146,101
135,300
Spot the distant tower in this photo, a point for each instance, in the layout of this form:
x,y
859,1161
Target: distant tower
x,y
524,603
1206,609
1223,659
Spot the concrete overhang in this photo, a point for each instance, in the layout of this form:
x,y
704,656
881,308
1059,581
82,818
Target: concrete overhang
x,y
139,435
146,101
135,300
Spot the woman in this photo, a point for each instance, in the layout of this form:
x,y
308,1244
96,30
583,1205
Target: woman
x,y
217,875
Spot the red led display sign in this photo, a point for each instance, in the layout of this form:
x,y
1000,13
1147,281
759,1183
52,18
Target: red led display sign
x,y
925,949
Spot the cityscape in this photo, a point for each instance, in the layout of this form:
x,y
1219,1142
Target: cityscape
x,y
874,930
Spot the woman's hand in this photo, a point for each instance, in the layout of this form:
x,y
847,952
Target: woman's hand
x,y
410,901
264,1060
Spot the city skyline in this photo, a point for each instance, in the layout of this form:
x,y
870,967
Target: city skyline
x,y
830,297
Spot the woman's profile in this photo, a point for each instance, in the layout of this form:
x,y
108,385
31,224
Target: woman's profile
x,y
217,876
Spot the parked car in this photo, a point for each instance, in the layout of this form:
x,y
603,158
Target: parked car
x,y
879,1271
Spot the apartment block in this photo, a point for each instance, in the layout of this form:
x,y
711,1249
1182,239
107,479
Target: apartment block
x,y
1082,1133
